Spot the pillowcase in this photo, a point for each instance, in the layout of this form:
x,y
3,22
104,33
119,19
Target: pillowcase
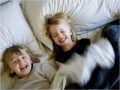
x,y
86,14
3,2
15,29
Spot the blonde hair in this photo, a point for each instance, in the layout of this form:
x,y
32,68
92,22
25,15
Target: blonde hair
x,y
17,50
58,18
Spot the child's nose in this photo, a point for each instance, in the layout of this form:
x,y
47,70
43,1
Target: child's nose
x,y
21,62
60,35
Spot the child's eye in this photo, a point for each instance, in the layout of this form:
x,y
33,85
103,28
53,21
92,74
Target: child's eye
x,y
23,57
55,35
14,62
62,31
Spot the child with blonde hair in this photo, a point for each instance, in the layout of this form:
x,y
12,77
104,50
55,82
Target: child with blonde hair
x,y
19,61
89,70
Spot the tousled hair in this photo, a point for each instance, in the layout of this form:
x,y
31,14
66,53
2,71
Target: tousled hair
x,y
17,50
56,19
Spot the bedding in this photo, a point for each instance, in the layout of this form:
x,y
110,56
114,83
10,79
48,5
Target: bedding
x,y
3,2
87,15
14,24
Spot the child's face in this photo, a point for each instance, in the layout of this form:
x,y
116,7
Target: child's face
x,y
61,34
20,64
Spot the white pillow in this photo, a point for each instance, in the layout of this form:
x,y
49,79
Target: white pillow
x,y
3,2
86,14
14,28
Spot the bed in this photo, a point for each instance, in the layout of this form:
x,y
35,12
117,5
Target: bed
x,y
22,22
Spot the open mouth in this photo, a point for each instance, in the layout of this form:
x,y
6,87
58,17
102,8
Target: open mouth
x,y
62,40
24,68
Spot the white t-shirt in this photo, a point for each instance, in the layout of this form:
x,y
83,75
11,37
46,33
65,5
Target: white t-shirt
x,y
40,78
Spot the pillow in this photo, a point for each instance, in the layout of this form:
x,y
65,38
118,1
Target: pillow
x,y
14,30
3,2
86,14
